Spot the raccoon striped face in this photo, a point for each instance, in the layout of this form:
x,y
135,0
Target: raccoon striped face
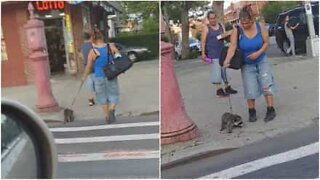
x,y
237,122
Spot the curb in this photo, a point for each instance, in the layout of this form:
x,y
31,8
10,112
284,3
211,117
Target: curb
x,y
196,156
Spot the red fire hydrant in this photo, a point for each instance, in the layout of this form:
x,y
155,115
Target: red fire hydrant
x,y
36,41
176,125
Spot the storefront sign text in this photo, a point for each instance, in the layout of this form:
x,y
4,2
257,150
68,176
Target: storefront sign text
x,y
49,5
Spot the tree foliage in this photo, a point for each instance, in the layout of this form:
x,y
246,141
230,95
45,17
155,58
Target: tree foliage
x,y
272,9
174,8
146,8
151,24
145,11
217,7
178,11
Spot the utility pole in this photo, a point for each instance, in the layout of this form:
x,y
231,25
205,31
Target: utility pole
x,y
312,42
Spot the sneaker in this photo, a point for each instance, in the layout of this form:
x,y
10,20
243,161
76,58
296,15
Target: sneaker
x,y
112,117
270,115
252,115
229,90
221,93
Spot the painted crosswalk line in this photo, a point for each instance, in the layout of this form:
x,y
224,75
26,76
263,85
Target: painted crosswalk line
x,y
110,155
107,126
107,138
265,162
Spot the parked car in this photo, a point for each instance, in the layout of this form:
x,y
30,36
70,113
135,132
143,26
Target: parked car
x,y
271,30
297,15
134,53
194,45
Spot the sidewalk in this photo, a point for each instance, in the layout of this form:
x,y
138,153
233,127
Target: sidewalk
x,y
139,94
296,104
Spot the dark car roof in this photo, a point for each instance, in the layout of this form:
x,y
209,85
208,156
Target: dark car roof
x,y
298,8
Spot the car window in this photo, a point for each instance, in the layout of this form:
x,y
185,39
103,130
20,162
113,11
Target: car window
x,y
315,9
192,41
302,18
297,16
9,132
280,20
294,13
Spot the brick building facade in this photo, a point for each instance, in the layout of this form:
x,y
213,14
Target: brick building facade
x,y
232,12
63,29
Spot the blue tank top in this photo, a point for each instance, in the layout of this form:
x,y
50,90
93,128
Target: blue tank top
x,y
101,61
249,46
213,45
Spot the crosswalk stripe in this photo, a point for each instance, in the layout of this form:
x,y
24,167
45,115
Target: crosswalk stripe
x,y
265,162
107,126
112,155
107,138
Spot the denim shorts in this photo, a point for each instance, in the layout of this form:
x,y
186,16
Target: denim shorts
x,y
257,80
217,73
106,91
90,84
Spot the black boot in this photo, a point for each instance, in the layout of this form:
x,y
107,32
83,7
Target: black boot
x,y
252,115
107,120
221,93
229,90
270,115
112,117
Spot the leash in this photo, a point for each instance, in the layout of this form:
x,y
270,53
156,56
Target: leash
x,y
75,97
229,97
230,104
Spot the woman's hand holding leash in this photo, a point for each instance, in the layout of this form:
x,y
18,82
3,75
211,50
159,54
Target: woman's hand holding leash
x,y
226,63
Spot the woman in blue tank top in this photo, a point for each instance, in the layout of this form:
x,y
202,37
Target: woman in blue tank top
x,y
256,72
106,91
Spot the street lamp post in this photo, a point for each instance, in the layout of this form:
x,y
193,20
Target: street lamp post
x,y
176,125
312,42
36,42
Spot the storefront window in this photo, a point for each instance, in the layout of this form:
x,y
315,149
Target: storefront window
x,y
4,56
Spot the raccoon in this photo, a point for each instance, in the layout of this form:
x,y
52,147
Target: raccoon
x,y
68,115
229,121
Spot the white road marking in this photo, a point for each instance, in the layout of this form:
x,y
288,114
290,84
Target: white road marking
x,y
107,138
108,126
265,162
111,155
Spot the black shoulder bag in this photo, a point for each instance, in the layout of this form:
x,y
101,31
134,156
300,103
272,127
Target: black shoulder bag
x,y
237,59
116,66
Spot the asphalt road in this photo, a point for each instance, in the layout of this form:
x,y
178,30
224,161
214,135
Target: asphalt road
x,y
91,149
268,159
304,168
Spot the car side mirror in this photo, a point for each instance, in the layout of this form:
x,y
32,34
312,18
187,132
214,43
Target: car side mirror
x,y
27,146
